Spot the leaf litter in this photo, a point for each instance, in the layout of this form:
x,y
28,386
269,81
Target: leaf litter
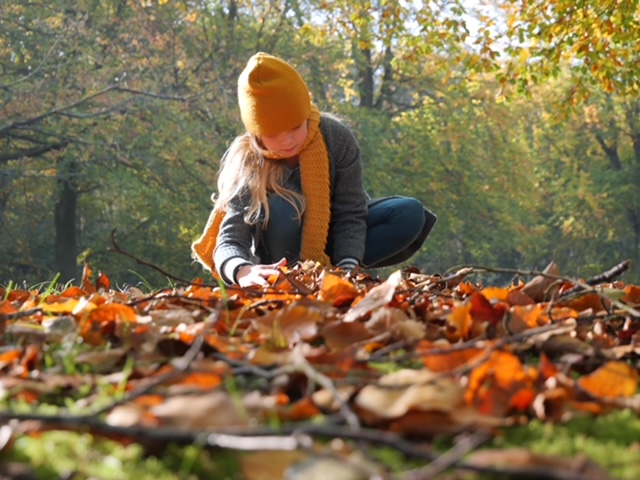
x,y
324,362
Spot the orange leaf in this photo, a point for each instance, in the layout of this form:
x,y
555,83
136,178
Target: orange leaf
x,y
336,290
493,384
103,282
203,380
73,292
522,318
6,308
102,321
547,368
632,295
613,379
522,399
87,286
483,311
303,409
9,357
495,293
447,361
112,313
461,320
588,301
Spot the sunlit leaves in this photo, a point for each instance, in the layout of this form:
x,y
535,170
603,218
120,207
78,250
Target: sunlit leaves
x,y
596,40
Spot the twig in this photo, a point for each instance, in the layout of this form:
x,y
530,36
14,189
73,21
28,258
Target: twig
x,y
604,277
186,437
20,314
119,250
235,288
450,458
302,365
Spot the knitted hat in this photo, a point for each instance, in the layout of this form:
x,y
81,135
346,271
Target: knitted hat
x,y
272,96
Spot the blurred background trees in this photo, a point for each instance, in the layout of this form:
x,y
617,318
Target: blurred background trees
x,y
516,122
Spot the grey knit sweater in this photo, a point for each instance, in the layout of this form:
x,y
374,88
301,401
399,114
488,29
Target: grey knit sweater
x,y
238,241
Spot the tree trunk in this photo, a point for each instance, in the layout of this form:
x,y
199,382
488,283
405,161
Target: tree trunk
x,y
365,76
66,246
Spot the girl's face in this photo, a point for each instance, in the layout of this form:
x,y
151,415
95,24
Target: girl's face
x,y
286,144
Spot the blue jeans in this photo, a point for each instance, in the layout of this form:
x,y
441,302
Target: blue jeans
x,y
392,225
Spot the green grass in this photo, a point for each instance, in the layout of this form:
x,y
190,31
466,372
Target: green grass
x,y
612,441
53,455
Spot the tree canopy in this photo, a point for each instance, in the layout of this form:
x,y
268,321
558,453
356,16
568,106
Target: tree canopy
x,y
516,122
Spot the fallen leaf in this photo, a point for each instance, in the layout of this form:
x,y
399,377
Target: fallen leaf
x,y
539,287
613,379
377,297
196,412
540,466
397,393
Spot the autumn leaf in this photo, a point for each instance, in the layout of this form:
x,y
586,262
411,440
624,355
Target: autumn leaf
x,y
613,379
539,287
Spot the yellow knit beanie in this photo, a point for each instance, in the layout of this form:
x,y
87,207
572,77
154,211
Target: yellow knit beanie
x,y
273,98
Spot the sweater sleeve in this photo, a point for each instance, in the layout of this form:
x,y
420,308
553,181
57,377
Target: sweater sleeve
x,y
348,228
235,238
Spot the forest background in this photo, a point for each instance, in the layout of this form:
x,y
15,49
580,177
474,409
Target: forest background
x,y
517,122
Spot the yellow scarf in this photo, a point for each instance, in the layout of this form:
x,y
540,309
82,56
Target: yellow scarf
x,y
316,188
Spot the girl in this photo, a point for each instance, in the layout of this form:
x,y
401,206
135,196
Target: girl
x,y
291,188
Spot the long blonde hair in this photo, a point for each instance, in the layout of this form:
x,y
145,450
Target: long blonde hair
x,y
244,167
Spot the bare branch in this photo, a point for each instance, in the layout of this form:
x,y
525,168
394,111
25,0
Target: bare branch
x,y
32,152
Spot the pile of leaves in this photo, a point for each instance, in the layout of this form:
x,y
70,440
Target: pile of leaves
x,y
323,364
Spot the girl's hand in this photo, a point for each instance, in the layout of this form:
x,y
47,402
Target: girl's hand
x,y
258,274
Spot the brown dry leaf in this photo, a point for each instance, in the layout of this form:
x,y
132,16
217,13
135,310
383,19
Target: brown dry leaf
x,y
613,379
269,465
338,335
553,404
324,467
326,399
520,318
196,412
126,416
538,288
102,360
395,322
172,317
565,343
377,297
87,272
264,356
397,393
290,325
534,464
